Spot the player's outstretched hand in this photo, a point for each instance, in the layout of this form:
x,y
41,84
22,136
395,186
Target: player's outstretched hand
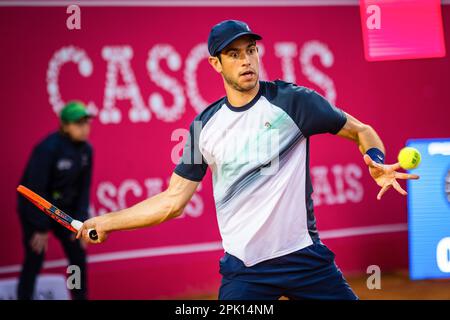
x,y
385,175
96,224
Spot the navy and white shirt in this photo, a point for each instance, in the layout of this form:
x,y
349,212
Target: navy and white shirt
x,y
259,158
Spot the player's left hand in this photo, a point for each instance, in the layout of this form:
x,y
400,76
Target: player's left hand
x,y
385,175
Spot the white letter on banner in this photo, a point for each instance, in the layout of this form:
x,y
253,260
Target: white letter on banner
x,y
262,71
128,185
106,191
338,173
322,186
443,254
197,54
118,60
286,51
60,58
352,175
171,85
154,186
316,48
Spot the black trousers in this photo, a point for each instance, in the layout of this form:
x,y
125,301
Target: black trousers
x,y
33,262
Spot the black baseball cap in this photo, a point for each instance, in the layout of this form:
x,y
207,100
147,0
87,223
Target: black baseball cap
x,y
225,32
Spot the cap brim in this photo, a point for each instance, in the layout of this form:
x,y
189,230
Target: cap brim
x,y
225,43
78,118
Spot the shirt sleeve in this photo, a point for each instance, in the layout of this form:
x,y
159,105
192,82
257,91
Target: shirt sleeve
x,y
192,165
316,115
85,188
39,170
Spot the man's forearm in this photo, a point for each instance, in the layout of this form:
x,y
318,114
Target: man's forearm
x,y
361,133
368,138
149,212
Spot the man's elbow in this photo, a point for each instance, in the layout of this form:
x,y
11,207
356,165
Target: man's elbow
x,y
176,211
175,207
364,127
178,194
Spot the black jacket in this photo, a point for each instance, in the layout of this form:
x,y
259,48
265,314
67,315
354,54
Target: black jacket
x,y
60,171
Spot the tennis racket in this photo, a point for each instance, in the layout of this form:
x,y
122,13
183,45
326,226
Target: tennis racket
x,y
55,213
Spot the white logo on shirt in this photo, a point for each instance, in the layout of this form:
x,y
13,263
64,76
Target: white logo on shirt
x,y
64,164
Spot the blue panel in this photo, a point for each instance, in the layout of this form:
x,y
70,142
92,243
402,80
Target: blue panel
x,y
429,210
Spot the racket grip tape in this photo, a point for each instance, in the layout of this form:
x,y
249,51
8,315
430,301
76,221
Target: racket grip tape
x,y
91,232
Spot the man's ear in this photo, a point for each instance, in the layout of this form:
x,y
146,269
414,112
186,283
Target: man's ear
x,y
215,63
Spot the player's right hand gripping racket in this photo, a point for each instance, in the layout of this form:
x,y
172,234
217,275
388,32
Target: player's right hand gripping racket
x,y
55,213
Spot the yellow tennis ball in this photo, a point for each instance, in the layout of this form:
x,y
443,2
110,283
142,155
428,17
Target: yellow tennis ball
x,y
409,158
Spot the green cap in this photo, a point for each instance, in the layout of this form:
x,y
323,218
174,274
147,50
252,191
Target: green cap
x,y
73,111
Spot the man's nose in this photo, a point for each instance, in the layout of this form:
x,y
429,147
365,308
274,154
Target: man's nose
x,y
246,59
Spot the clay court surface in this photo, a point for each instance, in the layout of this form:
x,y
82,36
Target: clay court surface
x,y
394,286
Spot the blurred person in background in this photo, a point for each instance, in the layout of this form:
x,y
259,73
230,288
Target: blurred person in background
x,y
59,170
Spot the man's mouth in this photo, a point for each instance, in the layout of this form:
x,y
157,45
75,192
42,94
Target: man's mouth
x,y
247,74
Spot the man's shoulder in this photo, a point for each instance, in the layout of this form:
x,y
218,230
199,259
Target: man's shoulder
x,y
284,93
49,143
284,87
210,110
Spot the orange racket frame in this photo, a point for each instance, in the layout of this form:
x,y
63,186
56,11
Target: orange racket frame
x,y
55,213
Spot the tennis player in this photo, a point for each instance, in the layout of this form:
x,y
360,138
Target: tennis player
x,y
256,142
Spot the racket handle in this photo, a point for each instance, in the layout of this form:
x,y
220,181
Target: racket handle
x,y
93,234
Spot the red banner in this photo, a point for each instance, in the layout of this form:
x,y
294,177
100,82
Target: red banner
x,y
394,30
144,72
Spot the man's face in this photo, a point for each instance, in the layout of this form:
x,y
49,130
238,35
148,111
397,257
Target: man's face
x,y
78,131
239,64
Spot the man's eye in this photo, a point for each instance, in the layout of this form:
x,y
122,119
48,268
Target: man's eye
x,y
251,50
234,55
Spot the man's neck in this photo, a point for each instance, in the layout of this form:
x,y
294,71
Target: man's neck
x,y
238,98
68,138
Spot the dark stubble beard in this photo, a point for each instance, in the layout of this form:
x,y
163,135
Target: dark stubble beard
x,y
236,85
